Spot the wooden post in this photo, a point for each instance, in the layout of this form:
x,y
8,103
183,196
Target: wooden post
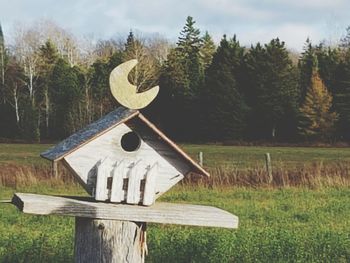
x,y
200,158
268,167
108,241
54,170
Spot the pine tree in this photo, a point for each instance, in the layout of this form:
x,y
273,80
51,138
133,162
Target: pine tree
x,y
207,50
305,66
66,94
2,66
271,90
317,120
345,41
48,56
99,73
189,45
328,60
226,111
342,97
181,80
146,72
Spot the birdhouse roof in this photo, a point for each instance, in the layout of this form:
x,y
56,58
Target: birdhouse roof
x,y
106,123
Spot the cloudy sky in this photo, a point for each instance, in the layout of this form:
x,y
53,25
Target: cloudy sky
x,y
251,20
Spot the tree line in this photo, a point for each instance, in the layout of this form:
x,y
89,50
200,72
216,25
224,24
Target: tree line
x,y
53,84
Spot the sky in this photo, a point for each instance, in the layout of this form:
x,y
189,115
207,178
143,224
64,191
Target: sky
x,y
251,20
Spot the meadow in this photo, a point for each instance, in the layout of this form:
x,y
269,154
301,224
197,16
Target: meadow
x,y
278,223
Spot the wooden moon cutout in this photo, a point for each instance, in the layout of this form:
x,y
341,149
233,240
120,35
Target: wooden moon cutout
x,y
126,93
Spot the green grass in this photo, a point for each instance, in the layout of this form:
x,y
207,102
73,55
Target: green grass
x,y
290,225
214,155
23,154
248,156
276,225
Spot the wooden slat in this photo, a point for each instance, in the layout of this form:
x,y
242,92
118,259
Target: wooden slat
x,y
171,167
103,171
164,213
150,185
117,192
133,191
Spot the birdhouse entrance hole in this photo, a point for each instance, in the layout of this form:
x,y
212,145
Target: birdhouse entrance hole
x,y
130,142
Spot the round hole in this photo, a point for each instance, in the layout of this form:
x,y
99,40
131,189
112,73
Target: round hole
x,y
130,142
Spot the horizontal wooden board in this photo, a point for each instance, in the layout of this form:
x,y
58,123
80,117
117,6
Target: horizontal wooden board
x,y
164,213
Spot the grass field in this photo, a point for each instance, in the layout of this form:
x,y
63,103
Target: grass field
x,y
214,155
288,224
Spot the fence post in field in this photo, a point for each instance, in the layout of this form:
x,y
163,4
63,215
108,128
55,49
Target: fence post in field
x,y
54,170
125,163
200,158
268,167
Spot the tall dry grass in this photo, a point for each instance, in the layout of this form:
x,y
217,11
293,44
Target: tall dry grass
x,y
22,176
313,175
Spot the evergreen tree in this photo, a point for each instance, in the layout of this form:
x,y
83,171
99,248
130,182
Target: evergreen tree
x,y
342,97
225,115
2,66
180,83
189,45
48,56
272,91
146,72
29,122
345,41
207,50
305,66
317,121
11,111
328,60
99,83
66,94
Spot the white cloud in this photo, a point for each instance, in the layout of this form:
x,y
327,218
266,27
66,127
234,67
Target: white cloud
x,y
252,20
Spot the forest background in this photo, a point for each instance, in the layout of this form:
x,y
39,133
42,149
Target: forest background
x,y
52,83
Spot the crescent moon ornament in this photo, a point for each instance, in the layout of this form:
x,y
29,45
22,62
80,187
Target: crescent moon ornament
x,y
126,93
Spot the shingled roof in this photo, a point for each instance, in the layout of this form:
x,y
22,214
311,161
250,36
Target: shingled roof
x,y
81,137
101,126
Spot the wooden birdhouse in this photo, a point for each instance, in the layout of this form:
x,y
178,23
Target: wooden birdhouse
x,y
123,157
126,162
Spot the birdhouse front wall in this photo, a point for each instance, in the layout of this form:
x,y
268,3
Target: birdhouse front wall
x,y
105,162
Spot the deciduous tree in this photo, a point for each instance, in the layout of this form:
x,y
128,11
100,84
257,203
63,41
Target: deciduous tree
x,y
317,120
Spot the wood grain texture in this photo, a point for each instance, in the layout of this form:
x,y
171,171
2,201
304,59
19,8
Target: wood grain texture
x,y
133,191
109,241
126,93
117,192
171,168
103,172
90,132
150,186
164,213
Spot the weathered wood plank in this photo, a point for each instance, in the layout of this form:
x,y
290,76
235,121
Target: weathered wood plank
x,y
83,161
164,213
133,191
103,172
117,192
108,241
150,185
90,132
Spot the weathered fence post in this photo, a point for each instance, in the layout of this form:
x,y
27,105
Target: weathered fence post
x,y
99,240
54,170
268,167
200,158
